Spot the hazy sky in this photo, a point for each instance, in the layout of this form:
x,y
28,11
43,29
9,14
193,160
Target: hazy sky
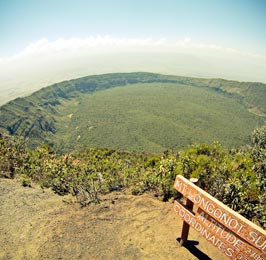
x,y
210,38
239,24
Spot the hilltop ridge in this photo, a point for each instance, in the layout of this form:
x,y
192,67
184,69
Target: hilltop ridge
x,y
137,111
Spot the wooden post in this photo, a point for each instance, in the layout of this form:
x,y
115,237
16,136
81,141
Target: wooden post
x,y
185,228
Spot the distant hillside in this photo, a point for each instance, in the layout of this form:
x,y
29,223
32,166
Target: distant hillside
x,y
137,111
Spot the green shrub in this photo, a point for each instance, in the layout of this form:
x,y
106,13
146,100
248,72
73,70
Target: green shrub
x,y
235,177
25,180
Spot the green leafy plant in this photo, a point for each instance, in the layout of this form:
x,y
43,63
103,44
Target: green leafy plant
x,y
235,177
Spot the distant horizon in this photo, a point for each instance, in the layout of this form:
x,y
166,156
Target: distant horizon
x,y
44,42
11,94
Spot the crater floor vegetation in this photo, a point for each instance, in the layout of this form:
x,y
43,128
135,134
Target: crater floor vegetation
x,y
141,112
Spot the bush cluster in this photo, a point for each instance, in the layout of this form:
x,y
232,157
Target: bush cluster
x,y
235,177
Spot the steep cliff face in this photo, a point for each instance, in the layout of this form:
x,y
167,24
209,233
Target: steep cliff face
x,y
34,116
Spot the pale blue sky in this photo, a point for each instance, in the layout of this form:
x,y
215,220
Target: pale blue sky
x,y
47,41
238,24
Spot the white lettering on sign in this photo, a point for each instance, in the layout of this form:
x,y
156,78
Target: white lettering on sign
x,y
234,235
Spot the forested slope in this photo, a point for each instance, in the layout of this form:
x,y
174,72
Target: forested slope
x,y
137,111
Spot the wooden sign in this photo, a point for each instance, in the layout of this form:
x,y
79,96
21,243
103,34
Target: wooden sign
x,y
234,235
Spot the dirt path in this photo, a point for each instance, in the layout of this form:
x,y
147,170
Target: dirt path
x,y
37,224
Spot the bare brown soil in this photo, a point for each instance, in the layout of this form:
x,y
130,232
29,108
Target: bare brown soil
x,y
37,224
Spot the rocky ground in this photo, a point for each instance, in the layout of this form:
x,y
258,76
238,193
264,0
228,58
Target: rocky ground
x,y
37,224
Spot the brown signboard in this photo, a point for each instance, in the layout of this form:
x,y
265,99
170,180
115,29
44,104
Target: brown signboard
x,y
234,235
